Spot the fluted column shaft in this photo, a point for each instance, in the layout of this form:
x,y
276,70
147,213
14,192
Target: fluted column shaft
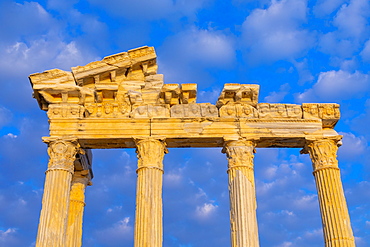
x,y
55,201
148,221
243,205
334,212
76,209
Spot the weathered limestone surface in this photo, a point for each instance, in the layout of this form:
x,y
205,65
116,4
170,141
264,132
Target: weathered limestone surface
x,y
122,98
55,201
81,178
243,204
333,206
148,219
76,209
121,102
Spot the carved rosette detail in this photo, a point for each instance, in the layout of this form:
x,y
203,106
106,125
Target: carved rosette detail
x,y
240,153
323,153
62,154
150,153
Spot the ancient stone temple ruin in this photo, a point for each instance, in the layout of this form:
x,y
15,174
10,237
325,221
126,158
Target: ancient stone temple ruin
x,y
121,102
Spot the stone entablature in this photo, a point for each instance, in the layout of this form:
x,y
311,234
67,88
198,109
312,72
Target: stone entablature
x,y
126,85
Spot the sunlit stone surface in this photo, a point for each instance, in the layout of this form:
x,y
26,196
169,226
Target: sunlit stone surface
x,y
121,102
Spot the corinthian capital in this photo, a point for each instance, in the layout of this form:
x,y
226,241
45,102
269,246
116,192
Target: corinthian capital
x,y
240,153
323,152
150,153
62,153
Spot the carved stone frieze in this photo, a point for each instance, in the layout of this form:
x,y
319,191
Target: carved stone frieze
x,y
65,111
151,111
238,110
294,111
194,110
107,110
329,113
266,110
208,110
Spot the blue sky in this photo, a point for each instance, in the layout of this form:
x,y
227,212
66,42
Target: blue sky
x,y
296,50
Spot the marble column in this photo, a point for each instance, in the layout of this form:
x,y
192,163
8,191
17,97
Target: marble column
x,y
148,218
55,201
76,208
334,212
243,205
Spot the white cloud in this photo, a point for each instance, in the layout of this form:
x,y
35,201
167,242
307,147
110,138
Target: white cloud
x,y
185,54
326,7
206,210
304,72
331,44
173,178
353,146
351,19
352,27
286,244
336,86
42,53
209,96
365,53
274,33
275,97
117,233
28,19
306,202
8,237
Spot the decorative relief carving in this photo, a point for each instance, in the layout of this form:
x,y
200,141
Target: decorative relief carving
x,y
267,110
238,110
329,113
194,110
62,154
151,111
208,110
108,109
150,153
228,110
323,152
240,153
135,97
65,111
124,85
294,111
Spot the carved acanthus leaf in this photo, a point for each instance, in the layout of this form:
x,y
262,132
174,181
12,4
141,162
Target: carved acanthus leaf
x,y
323,153
62,154
240,153
150,153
